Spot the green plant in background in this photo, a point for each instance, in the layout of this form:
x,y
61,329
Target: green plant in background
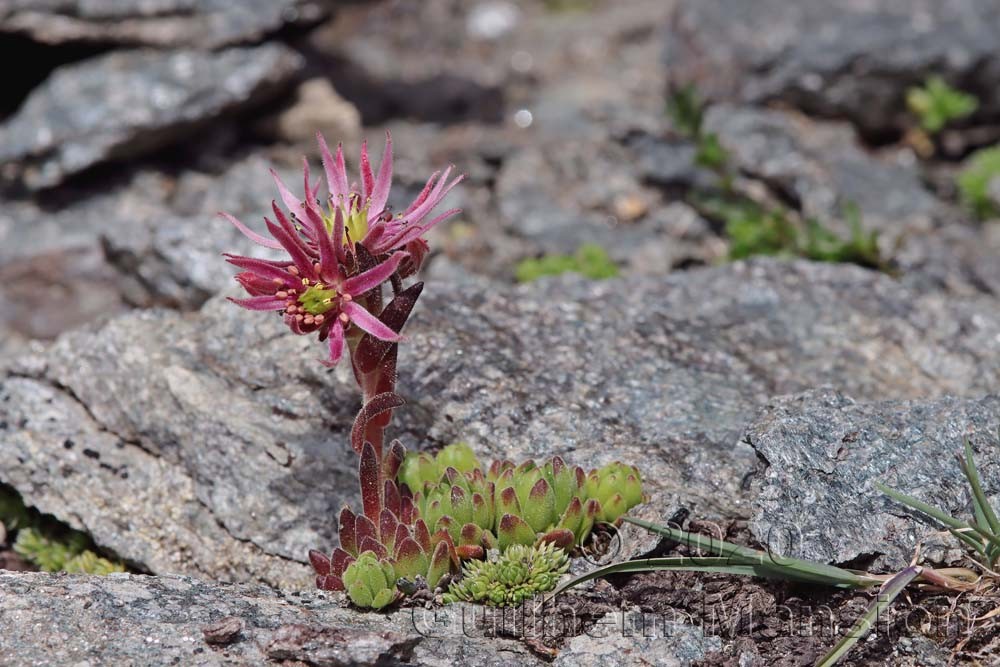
x,y
67,555
508,579
981,169
47,544
686,111
569,5
590,260
755,230
936,104
981,535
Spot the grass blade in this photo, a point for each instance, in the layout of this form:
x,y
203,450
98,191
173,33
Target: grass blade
x,y
703,542
718,564
982,503
956,527
779,566
889,592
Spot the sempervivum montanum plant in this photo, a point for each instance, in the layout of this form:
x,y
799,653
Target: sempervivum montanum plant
x,y
343,252
503,505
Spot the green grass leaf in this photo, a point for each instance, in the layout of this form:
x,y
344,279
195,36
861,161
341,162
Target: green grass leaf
x,y
886,595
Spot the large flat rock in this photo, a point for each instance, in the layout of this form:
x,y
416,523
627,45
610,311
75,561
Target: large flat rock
x,y
213,444
139,620
127,103
841,58
822,453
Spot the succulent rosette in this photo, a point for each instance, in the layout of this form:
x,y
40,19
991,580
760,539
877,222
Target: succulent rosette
x,y
510,578
506,504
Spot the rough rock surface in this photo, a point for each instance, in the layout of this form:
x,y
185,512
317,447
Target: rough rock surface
x,y
249,451
130,619
822,169
151,239
842,58
620,639
127,103
202,23
821,453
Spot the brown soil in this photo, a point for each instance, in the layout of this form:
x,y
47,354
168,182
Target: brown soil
x,y
11,561
791,625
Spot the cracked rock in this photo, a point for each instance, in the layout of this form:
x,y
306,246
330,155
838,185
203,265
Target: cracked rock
x,y
841,58
128,103
213,455
822,452
160,619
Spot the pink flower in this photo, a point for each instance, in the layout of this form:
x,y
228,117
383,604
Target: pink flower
x,y
323,286
367,219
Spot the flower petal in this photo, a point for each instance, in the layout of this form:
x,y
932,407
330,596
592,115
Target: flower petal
x,y
293,247
368,322
434,198
380,191
336,340
372,278
261,267
411,232
336,171
260,303
367,179
329,258
292,203
250,234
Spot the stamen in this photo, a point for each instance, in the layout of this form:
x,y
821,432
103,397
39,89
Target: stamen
x,y
344,318
294,270
317,267
291,309
308,319
282,294
346,297
299,318
278,281
319,319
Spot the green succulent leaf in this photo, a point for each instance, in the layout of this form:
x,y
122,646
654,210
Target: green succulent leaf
x,y
510,578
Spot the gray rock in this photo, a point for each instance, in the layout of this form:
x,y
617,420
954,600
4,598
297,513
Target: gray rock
x,y
128,103
214,444
202,23
318,107
620,639
150,240
55,273
842,58
822,453
163,620
181,620
822,169
556,197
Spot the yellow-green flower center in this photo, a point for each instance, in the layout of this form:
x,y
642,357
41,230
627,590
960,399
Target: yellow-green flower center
x,y
355,220
317,300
